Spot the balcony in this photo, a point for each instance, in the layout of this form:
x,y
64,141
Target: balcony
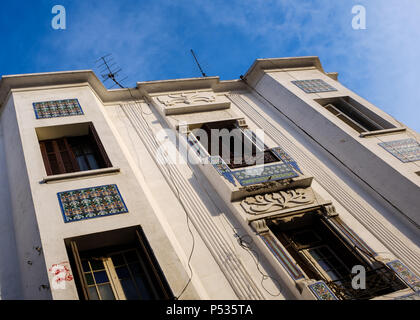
x,y
380,281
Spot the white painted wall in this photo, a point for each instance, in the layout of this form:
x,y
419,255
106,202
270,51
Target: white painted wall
x,y
31,215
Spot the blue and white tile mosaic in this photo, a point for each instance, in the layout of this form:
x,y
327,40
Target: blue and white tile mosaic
x,y
58,108
91,202
285,157
322,291
220,165
270,172
411,279
314,85
406,150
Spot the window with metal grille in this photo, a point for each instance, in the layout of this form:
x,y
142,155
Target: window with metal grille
x,y
324,255
73,154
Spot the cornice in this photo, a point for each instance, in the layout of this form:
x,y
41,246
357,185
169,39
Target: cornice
x,y
256,71
37,80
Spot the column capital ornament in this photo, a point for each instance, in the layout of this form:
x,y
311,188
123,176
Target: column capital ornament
x,y
329,211
259,226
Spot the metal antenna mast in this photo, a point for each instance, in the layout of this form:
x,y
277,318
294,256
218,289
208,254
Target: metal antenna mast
x,y
198,64
110,70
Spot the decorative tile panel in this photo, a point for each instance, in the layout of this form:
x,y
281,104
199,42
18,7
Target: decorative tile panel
x,y
58,108
270,172
313,86
406,150
220,165
285,157
283,257
322,291
412,280
411,296
91,202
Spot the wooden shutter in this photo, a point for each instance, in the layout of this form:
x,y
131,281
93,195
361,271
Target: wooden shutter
x,y
156,274
68,160
95,138
45,158
58,157
79,269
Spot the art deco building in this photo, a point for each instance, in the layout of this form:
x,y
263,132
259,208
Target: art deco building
x,y
117,194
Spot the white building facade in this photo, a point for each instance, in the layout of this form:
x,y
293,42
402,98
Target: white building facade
x,y
119,194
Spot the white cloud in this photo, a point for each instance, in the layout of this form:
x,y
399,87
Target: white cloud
x,y
151,40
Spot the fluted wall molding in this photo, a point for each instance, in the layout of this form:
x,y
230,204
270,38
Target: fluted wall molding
x,y
220,248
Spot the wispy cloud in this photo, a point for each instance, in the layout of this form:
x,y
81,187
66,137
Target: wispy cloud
x,y
151,40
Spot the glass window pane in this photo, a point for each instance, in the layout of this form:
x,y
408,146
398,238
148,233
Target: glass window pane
x,y
85,265
93,294
101,277
334,275
92,161
145,291
76,150
129,289
106,292
89,278
87,148
324,265
97,264
117,259
131,256
122,272
315,254
82,163
136,268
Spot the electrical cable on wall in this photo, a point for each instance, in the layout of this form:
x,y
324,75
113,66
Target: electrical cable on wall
x,y
177,193
112,74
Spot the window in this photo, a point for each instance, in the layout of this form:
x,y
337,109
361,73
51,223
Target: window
x,y
324,255
355,115
74,153
233,146
123,270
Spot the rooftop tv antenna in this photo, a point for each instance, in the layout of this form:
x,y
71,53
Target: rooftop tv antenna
x,y
110,70
198,64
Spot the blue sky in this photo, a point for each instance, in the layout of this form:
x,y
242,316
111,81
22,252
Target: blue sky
x,y
151,40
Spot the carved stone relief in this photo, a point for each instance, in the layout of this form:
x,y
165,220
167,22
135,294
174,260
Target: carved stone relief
x,y
275,201
187,98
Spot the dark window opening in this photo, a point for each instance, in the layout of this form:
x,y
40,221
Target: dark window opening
x,y
323,255
355,115
73,154
238,150
124,269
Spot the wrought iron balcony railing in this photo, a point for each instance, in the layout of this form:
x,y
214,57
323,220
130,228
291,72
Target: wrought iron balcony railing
x,y
379,282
